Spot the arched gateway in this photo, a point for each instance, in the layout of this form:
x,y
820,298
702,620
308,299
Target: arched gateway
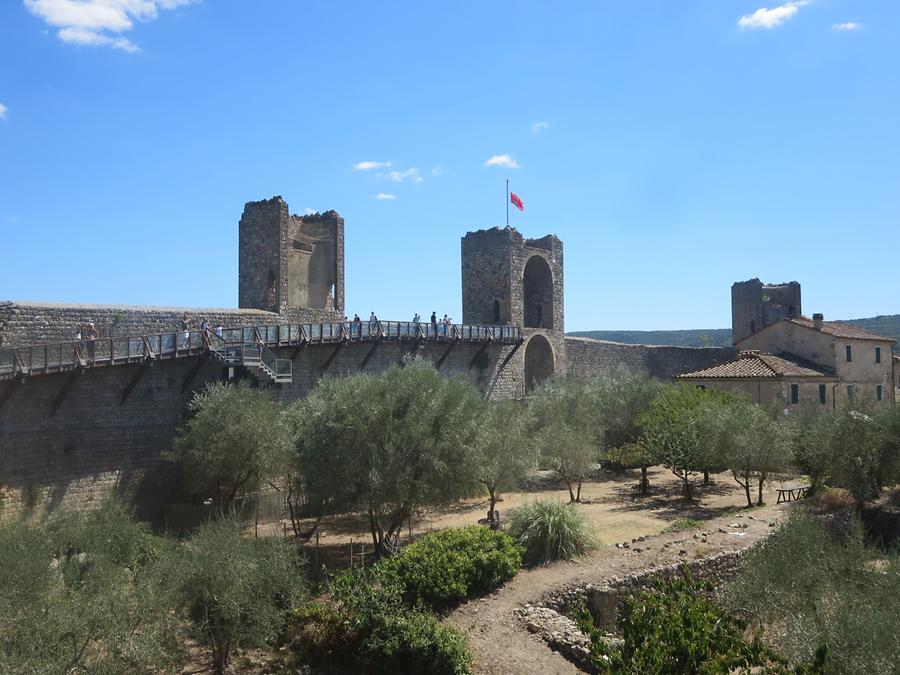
x,y
538,361
537,293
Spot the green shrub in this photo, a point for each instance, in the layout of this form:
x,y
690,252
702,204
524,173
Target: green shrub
x,y
450,565
365,627
549,531
811,593
677,629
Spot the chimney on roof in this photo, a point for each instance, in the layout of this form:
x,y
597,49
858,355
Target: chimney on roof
x,y
818,319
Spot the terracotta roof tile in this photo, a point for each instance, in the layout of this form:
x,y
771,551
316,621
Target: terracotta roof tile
x,y
840,329
754,365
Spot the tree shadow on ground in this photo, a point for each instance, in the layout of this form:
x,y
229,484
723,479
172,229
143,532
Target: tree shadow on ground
x,y
666,499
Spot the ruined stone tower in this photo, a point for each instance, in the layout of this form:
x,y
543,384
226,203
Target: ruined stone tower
x,y
755,305
288,262
507,279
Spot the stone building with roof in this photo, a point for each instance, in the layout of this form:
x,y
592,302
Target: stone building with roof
x,y
769,377
801,360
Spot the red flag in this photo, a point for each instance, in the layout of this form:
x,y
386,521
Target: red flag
x,y
517,202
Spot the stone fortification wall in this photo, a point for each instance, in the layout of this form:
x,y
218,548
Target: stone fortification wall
x,y
588,358
27,323
95,444
496,374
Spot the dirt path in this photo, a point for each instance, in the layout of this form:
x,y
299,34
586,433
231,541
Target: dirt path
x,y
501,644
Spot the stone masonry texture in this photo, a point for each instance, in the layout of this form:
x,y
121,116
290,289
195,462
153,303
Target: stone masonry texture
x,y
291,269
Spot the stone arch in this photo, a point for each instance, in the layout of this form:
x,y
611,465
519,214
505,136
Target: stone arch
x,y
537,293
539,361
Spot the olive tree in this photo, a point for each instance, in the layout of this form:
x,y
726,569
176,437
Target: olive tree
x,y
235,438
856,447
672,432
567,428
634,456
235,590
505,453
857,442
620,398
753,443
82,592
388,444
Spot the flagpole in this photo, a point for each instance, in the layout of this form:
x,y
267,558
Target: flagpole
x,y
507,202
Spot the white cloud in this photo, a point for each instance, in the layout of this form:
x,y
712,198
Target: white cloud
x,y
83,36
502,160
770,18
369,165
539,126
2,112
411,174
99,22
437,170
385,197
850,25
309,212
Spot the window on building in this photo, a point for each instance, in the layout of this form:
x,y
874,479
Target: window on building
x,y
878,392
877,354
849,391
849,354
795,393
496,311
822,393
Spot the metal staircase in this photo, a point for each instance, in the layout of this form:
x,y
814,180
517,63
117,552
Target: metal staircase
x,y
257,358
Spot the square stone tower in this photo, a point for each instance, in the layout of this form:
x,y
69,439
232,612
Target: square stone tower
x,y
288,262
755,305
507,279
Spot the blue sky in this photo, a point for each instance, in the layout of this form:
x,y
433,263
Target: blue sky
x,y
675,146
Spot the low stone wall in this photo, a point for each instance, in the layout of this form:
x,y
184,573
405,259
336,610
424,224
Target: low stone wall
x,y
586,357
29,323
606,601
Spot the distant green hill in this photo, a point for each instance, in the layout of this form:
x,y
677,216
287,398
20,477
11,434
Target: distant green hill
x,y
713,337
888,325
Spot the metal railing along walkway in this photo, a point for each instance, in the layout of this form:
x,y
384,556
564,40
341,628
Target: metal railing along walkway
x,y
18,361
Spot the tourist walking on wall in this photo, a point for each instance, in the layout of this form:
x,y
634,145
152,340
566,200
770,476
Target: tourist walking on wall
x,y
185,331
434,328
